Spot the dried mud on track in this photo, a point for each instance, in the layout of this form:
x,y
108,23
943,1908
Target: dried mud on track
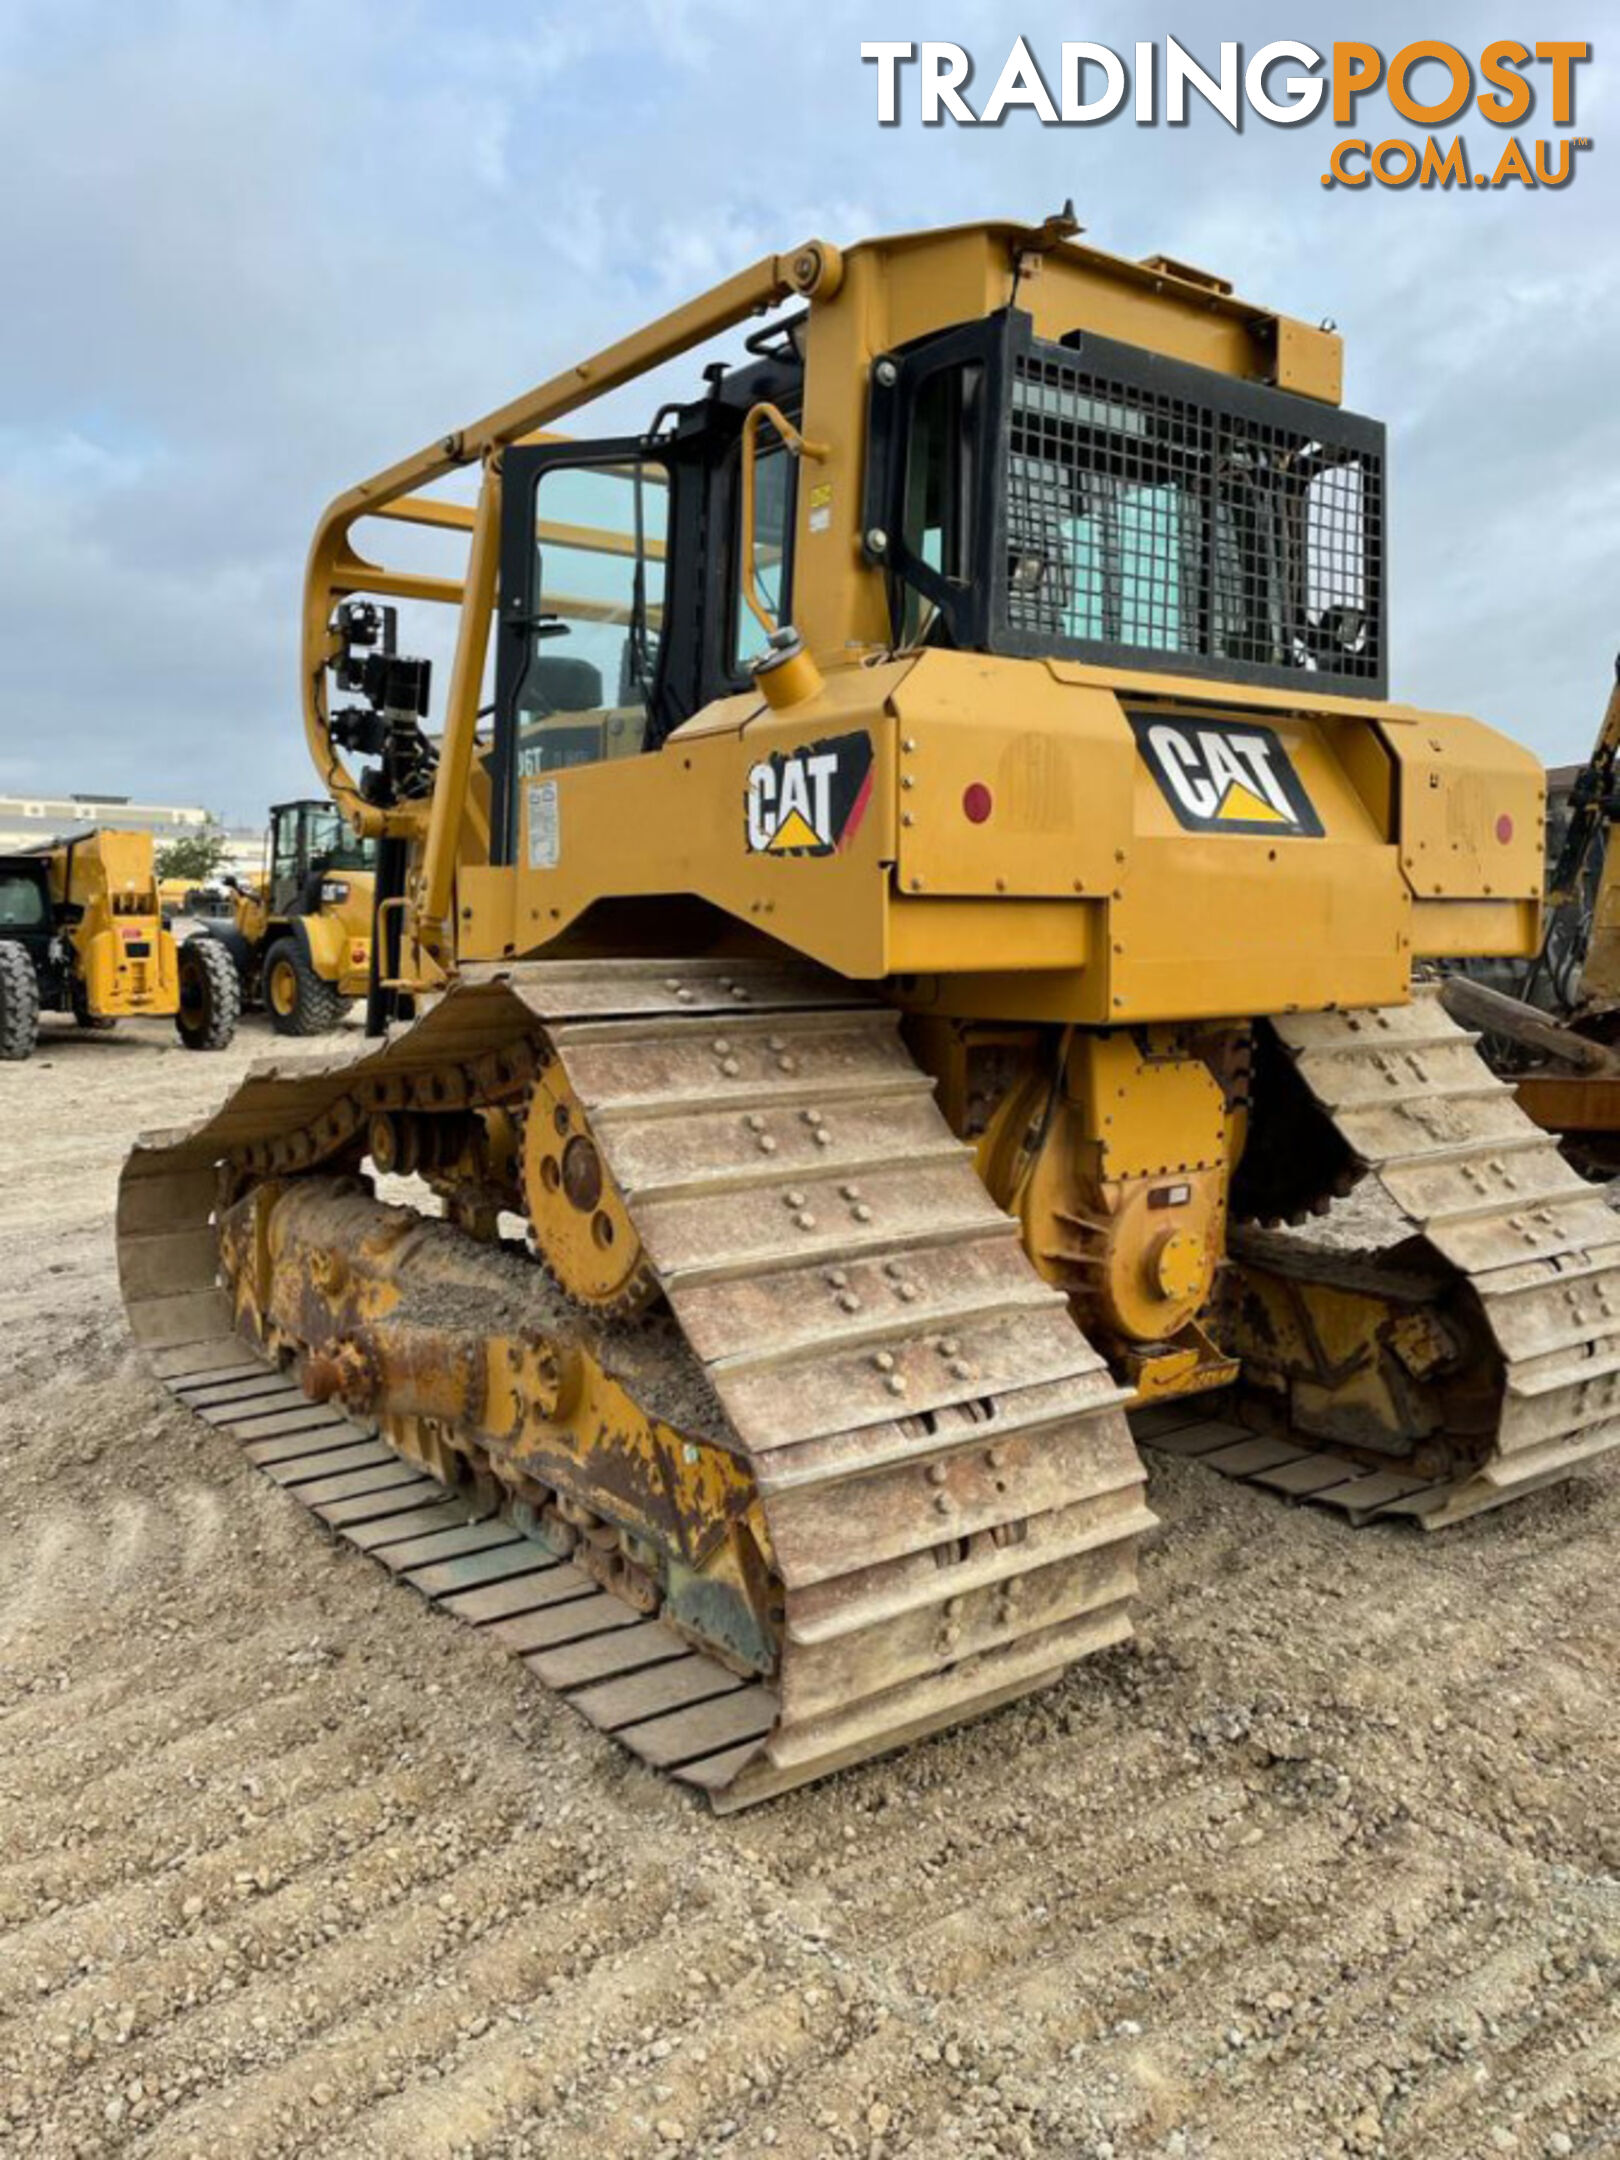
x,y
1327,1862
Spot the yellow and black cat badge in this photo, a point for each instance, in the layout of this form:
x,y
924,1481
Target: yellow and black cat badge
x,y
1226,777
809,801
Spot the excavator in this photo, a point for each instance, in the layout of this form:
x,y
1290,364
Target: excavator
x,y
910,905
1555,1034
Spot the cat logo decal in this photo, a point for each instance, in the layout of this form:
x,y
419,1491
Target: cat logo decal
x,y
809,801
1226,777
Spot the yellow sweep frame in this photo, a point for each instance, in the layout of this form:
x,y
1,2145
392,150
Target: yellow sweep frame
x,y
336,570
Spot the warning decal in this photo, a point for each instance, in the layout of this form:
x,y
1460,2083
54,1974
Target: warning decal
x,y
545,836
809,801
1225,776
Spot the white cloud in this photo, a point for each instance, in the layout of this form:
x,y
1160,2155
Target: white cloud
x,y
252,251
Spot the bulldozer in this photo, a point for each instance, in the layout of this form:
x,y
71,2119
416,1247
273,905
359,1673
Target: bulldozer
x,y
300,936
893,994
82,932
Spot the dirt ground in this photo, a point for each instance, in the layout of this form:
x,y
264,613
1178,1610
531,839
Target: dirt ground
x,y
1326,1862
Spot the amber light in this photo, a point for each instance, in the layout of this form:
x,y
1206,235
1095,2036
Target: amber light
x,y
977,802
1504,828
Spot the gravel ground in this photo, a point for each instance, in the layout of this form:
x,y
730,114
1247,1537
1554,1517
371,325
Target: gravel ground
x,y
1327,1862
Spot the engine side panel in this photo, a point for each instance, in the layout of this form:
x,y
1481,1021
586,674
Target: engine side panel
x,y
1045,840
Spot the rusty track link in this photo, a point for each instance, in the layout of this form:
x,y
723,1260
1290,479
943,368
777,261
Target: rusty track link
x,y
953,1497
1491,1201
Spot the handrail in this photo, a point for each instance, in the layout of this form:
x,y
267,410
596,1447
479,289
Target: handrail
x,y
795,445
811,271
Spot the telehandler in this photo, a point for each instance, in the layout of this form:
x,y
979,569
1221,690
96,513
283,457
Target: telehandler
x,y
300,936
964,885
82,931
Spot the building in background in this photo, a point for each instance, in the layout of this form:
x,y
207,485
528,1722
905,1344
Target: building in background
x,y
245,847
29,821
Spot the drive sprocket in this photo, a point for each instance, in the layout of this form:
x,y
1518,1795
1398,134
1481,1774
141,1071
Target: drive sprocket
x,y
579,1223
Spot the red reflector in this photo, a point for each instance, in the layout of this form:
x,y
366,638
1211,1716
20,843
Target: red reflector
x,y
1504,828
977,803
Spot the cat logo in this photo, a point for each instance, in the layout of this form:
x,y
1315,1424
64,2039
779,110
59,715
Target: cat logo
x,y
1226,778
809,801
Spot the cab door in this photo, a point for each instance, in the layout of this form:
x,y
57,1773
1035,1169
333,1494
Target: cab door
x,y
585,562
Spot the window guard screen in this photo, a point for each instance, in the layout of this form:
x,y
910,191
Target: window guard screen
x,y
1133,511
1165,515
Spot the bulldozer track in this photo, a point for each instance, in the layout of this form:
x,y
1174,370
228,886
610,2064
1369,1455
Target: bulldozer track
x,y
1492,1200
953,1496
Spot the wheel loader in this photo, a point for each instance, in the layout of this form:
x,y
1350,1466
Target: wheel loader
x,y
300,936
82,931
887,1008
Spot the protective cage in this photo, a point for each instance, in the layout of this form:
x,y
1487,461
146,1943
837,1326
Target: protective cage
x,y
1089,500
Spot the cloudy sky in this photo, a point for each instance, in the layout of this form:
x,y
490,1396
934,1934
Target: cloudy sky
x,y
250,252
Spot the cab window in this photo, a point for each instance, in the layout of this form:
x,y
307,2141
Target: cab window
x,y
285,860
775,478
22,903
940,481
601,544
332,845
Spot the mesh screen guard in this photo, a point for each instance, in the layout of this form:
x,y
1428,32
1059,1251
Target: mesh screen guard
x,y
1145,513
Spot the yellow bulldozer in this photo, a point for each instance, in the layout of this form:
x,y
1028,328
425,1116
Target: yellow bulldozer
x,y
82,932
300,935
937,899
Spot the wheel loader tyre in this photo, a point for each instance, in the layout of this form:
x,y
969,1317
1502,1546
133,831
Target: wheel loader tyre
x,y
299,1001
210,995
19,1004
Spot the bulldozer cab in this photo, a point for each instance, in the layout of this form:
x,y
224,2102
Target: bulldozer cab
x,y
1069,528
622,578
310,843
1068,498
